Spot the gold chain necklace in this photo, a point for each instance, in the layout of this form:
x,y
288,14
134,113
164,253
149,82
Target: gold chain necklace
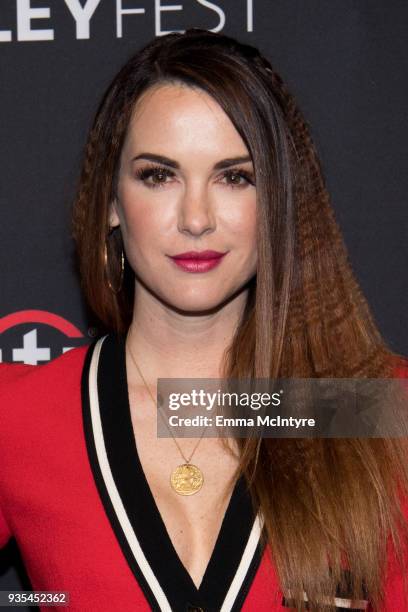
x,y
187,478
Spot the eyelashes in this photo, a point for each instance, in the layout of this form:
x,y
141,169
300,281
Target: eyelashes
x,y
237,178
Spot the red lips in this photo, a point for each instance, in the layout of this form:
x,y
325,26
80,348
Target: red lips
x,y
198,255
198,261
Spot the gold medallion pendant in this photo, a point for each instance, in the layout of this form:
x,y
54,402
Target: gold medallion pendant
x,y
186,479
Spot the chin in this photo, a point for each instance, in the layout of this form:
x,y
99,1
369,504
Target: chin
x,y
196,305
202,302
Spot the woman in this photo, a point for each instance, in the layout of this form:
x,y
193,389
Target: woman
x,y
208,248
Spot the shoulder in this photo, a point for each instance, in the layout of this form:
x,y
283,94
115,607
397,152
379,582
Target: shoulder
x,y
23,387
17,374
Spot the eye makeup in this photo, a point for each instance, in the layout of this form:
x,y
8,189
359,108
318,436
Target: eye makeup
x,y
158,176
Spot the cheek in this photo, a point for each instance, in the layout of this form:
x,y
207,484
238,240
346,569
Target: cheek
x,y
137,233
141,222
149,220
145,215
240,221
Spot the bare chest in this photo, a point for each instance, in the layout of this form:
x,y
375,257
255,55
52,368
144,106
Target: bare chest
x,y
192,522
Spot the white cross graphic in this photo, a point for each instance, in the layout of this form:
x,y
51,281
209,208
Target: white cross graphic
x,y
31,353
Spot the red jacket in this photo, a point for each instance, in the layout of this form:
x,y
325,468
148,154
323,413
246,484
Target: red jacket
x,y
73,494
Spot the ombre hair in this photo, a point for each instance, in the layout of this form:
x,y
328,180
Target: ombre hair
x,y
305,314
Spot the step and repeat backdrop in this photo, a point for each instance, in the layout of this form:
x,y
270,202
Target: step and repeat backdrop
x,y
345,61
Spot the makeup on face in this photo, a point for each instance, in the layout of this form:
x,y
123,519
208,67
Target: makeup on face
x,y
198,261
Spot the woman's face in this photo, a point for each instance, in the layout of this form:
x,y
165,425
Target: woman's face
x,y
186,183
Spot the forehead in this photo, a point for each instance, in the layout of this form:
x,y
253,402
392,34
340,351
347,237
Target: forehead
x,y
177,117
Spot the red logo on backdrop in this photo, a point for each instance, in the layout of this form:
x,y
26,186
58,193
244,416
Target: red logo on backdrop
x,y
36,336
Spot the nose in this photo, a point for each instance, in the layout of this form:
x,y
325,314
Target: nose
x,y
196,212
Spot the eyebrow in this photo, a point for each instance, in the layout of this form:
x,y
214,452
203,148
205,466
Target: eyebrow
x,y
161,159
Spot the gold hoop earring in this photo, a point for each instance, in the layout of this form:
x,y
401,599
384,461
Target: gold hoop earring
x,y
122,268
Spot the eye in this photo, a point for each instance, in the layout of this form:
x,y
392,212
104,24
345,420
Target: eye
x,y
238,178
157,174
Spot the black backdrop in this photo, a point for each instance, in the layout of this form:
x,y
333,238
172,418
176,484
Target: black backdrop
x,y
346,62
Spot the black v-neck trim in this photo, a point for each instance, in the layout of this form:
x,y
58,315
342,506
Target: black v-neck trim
x,y
141,508
101,486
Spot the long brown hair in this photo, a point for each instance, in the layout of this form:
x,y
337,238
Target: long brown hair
x,y
305,315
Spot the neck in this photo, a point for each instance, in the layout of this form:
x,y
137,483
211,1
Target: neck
x,y
168,344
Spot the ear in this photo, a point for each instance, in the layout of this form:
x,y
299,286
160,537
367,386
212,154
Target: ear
x,y
114,220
